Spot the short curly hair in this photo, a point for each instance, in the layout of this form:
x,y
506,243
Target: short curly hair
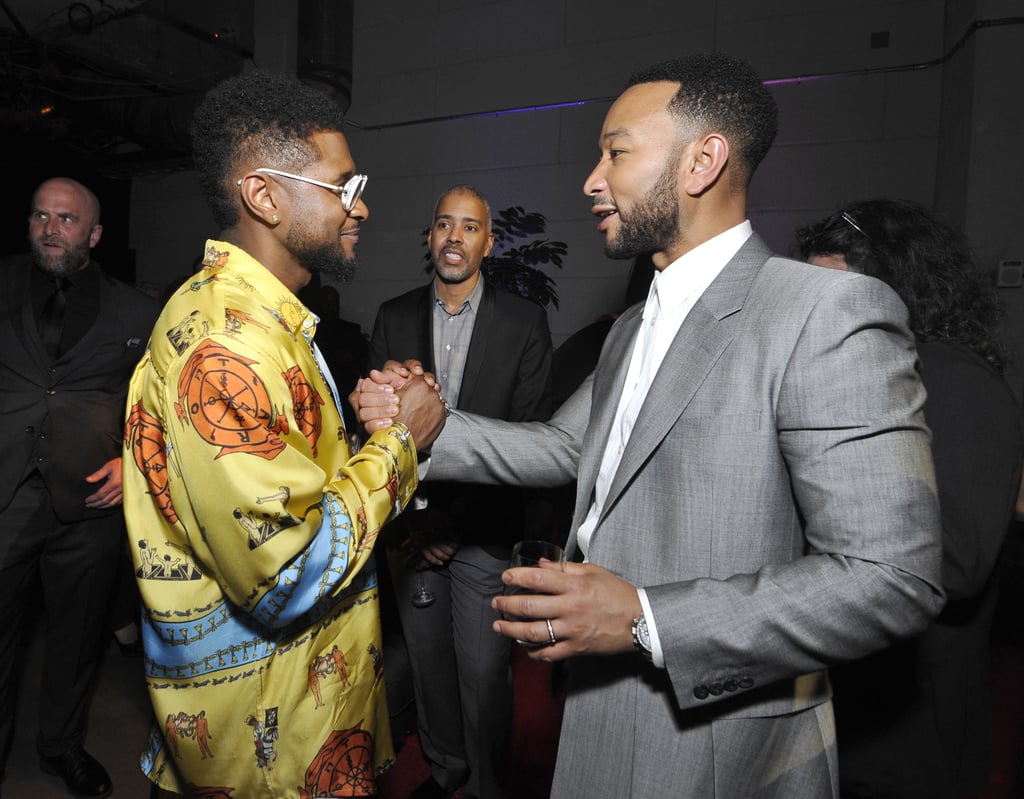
x,y
719,93
924,260
255,116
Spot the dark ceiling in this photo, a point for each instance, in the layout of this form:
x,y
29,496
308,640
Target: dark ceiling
x,y
104,90
113,82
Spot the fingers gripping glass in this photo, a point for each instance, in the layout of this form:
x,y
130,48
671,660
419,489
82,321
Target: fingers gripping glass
x,y
349,193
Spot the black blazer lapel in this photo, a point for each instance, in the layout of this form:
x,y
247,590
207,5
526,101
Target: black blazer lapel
x,y
23,318
422,331
477,355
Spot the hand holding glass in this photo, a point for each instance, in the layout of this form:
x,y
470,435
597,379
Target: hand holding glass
x,y
531,553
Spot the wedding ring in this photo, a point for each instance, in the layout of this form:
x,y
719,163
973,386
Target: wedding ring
x,y
551,632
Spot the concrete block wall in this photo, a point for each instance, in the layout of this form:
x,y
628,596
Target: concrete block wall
x,y
431,76
426,73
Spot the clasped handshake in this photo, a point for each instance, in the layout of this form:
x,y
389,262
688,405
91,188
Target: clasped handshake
x,y
400,393
560,609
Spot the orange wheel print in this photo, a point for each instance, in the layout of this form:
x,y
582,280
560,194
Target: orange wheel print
x,y
306,403
344,766
228,404
145,438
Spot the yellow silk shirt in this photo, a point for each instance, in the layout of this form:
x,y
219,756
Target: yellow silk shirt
x,y
252,529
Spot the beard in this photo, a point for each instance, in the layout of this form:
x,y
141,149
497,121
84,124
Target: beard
x,y
329,259
73,258
453,274
651,224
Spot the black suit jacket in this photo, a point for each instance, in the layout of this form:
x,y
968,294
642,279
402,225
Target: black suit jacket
x,y
507,376
65,418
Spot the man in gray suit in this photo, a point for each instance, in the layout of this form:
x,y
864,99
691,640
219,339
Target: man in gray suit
x,y
756,496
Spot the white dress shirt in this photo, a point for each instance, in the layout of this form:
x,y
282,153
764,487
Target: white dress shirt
x,y
674,291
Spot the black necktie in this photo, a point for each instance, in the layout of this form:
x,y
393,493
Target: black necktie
x,y
51,319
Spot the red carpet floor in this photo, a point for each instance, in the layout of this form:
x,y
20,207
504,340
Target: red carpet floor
x,y
538,708
536,720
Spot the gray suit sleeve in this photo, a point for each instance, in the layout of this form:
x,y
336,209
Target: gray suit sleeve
x,y
482,450
851,432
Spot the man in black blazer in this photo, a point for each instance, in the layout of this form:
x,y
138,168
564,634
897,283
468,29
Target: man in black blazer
x,y
491,353
70,336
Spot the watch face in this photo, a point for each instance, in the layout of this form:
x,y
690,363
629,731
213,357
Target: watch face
x,y
641,636
645,635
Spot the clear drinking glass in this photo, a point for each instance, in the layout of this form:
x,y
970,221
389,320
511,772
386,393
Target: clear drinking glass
x,y
531,553
423,597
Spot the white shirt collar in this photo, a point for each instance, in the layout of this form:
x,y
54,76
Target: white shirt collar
x,y
691,273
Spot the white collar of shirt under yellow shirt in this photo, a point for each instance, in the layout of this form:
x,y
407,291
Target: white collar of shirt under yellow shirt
x,y
674,291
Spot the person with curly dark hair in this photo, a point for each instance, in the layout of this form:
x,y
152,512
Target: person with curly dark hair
x,y
927,262
251,519
934,737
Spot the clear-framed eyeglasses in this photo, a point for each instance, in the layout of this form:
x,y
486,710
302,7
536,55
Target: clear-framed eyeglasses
x,y
349,193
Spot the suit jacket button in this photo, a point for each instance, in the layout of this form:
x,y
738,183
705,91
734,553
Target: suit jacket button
x,y
51,391
731,685
30,430
746,682
700,692
715,688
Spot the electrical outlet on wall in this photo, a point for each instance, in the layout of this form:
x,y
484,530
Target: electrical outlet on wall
x,y
1010,274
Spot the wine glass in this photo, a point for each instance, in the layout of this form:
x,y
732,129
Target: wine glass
x,y
422,598
531,553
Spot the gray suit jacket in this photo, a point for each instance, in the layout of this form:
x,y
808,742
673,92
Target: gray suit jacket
x,y
777,502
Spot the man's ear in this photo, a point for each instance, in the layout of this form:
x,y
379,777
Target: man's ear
x,y
258,199
94,235
705,160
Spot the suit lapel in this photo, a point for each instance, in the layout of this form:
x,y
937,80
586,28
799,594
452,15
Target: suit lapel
x,y
702,338
609,377
697,346
23,318
422,332
478,344
109,317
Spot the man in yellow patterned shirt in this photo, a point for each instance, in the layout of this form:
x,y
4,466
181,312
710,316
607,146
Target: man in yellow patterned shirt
x,y
251,524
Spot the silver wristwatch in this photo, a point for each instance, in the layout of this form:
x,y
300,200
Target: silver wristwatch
x,y
642,638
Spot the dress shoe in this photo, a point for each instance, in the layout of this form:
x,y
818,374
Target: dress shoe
x,y
430,789
81,772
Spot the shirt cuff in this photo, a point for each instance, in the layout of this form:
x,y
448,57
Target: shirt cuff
x,y
657,658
